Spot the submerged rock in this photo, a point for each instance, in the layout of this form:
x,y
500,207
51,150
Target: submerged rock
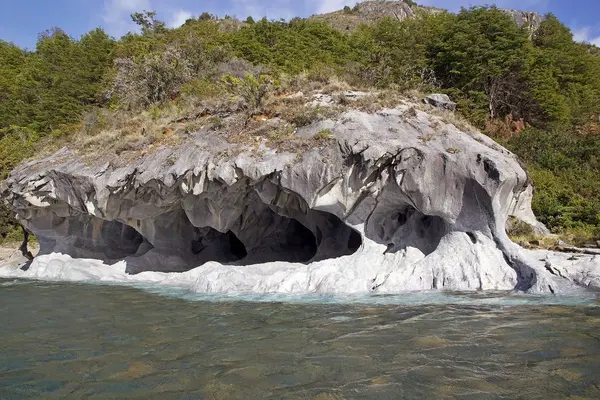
x,y
381,206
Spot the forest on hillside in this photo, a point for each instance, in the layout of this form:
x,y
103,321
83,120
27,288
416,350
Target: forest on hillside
x,y
538,94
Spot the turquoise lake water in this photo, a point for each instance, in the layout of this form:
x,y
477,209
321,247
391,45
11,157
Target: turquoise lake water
x,y
99,342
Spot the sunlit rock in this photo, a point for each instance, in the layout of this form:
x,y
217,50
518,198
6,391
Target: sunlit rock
x,y
397,200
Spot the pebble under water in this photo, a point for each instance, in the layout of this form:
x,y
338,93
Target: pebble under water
x,y
92,341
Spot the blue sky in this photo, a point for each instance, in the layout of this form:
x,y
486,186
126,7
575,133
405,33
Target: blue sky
x,y
22,20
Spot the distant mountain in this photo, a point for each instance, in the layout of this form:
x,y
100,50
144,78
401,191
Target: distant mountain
x,y
367,12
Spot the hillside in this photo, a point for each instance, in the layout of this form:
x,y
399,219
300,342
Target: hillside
x,y
537,94
350,18
369,12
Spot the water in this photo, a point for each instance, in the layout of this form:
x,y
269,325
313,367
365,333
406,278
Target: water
x,y
97,342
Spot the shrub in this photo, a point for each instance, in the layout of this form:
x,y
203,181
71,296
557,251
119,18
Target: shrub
x,y
323,135
16,144
253,89
200,89
9,227
239,68
517,228
321,73
303,115
153,79
93,122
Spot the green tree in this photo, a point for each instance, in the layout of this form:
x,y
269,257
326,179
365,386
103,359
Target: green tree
x,y
148,23
482,55
564,79
98,54
13,109
399,49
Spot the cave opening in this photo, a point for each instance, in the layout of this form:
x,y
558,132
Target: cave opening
x,y
87,236
405,226
170,242
120,240
288,241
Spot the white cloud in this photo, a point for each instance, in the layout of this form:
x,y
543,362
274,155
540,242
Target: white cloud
x,y
116,15
584,35
178,18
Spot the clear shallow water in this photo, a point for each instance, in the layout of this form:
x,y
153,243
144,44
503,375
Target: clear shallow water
x,y
93,341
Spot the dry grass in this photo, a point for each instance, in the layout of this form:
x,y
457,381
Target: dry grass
x,y
278,134
334,85
302,82
123,131
535,241
113,132
125,135
453,118
524,234
379,100
572,237
579,237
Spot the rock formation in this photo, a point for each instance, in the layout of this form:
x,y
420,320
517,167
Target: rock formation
x,y
372,11
395,200
527,19
440,101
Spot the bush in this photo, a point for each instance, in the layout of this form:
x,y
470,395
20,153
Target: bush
x,y
253,89
154,78
9,227
16,144
516,228
564,167
239,68
200,89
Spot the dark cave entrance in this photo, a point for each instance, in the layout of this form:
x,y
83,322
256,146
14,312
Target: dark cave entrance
x,y
169,242
260,235
87,236
403,227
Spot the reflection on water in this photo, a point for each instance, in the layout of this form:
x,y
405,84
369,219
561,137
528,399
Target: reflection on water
x,y
90,341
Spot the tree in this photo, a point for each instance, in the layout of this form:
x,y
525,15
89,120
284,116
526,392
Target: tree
x,y
152,79
61,87
12,107
564,78
399,49
148,23
482,55
98,54
253,89
206,17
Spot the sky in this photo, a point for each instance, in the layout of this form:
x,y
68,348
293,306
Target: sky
x,y
22,20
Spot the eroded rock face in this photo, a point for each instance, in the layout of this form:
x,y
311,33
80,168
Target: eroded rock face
x,y
526,19
397,200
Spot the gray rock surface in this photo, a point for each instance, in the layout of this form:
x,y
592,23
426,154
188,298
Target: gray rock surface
x,y
441,101
372,11
397,200
527,19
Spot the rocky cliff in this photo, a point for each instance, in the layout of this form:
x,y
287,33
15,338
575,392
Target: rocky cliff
x,y
390,201
372,11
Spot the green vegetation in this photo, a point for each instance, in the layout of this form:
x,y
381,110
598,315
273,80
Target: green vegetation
x,y
539,97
